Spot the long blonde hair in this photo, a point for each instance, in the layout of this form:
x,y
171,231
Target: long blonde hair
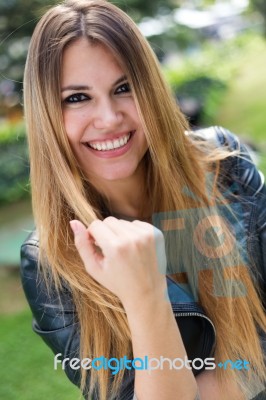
x,y
60,192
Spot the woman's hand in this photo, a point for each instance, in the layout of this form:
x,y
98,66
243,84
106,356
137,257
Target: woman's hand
x,y
131,263
128,258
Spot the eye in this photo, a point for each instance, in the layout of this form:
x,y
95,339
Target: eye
x,y
124,88
76,98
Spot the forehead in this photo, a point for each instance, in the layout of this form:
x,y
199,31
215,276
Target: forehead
x,y
84,60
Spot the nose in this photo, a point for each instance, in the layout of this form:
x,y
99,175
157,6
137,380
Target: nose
x,y
107,115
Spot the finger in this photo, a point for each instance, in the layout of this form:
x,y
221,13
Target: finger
x,y
103,235
159,244
142,224
83,242
121,227
158,234
139,228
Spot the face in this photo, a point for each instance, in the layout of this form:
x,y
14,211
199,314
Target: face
x,y
100,116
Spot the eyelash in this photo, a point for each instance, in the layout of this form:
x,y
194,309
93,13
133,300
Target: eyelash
x,y
125,86
79,97
76,98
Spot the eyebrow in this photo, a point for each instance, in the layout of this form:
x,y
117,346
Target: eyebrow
x,y
84,87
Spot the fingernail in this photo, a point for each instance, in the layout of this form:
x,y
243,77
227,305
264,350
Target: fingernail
x,y
74,226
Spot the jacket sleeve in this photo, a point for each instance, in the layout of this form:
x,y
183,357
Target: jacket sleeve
x,y
241,179
251,189
248,184
55,318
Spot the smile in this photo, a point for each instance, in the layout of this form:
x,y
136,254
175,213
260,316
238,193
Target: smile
x,y
108,145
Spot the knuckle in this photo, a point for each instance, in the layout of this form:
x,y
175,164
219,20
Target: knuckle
x,y
109,219
143,240
78,241
94,223
120,248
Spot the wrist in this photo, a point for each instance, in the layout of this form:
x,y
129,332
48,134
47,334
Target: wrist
x,y
148,301
149,312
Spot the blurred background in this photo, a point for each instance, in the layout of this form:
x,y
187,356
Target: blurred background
x,y
213,54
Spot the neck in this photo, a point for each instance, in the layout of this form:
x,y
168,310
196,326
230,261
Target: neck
x,y
126,197
126,200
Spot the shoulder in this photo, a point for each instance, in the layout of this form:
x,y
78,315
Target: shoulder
x,y
46,301
240,177
31,242
238,165
29,255
217,136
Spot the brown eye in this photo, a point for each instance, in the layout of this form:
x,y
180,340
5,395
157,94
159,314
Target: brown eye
x,y
76,98
125,88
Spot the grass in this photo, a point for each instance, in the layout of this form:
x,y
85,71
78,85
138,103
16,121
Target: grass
x,y
16,222
12,299
26,363
243,107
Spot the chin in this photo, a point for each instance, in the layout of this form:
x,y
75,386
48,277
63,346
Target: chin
x,y
110,176
116,177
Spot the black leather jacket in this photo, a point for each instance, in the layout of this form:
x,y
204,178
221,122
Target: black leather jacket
x,y
55,320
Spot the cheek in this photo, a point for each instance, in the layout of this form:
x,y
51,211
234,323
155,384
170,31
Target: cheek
x,y
73,126
132,109
67,120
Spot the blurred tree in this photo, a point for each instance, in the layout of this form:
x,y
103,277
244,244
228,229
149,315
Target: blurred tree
x,y
17,21
139,8
260,6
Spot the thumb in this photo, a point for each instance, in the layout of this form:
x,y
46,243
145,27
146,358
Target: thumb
x,y
82,242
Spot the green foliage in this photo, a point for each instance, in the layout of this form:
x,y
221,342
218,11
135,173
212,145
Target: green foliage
x,y
243,106
206,75
17,21
177,38
10,132
260,7
14,166
26,364
138,9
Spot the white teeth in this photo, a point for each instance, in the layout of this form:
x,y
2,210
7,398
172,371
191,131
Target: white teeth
x,y
116,144
110,144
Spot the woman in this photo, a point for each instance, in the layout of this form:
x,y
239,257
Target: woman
x,y
109,150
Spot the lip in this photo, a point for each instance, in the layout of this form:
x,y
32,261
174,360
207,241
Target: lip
x,y
115,152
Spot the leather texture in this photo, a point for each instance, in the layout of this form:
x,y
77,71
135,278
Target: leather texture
x,y
54,316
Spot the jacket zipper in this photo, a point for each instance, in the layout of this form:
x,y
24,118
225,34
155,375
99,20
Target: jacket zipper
x,y
194,314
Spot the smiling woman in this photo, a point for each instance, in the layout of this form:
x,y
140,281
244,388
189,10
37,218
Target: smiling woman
x,y
100,116
150,239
